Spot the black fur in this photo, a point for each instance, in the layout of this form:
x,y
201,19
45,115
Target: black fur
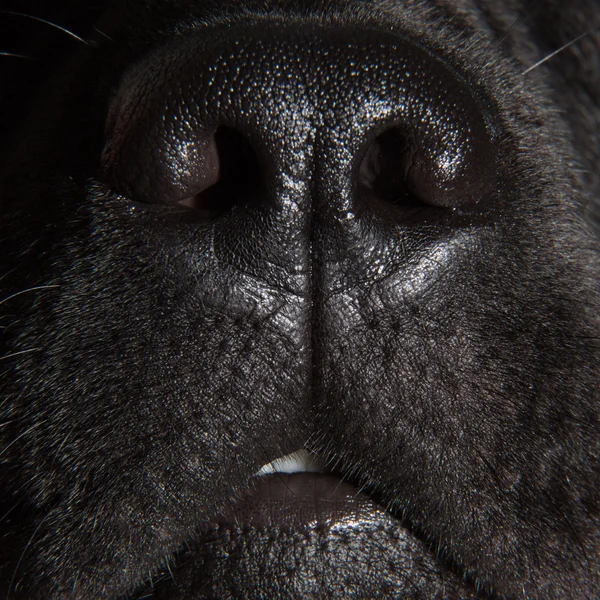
x,y
444,357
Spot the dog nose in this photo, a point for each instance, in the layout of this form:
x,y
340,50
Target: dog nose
x,y
231,115
301,129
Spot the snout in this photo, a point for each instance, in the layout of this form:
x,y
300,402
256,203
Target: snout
x,y
308,164
324,239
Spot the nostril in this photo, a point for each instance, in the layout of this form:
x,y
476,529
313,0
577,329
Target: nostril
x,y
414,132
390,170
230,175
405,168
179,163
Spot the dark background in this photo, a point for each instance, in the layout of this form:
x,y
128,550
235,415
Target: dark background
x,y
44,46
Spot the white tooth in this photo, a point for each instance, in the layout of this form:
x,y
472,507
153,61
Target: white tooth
x,y
300,461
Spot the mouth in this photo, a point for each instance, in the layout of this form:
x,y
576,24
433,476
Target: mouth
x,y
300,490
304,531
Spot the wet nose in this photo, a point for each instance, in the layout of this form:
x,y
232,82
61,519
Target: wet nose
x,y
307,126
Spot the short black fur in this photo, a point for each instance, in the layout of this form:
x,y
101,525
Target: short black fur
x,y
156,350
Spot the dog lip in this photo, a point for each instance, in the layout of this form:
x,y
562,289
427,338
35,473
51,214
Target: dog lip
x,y
299,490
301,500
317,526
293,512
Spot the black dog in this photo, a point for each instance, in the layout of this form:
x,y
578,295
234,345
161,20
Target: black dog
x,y
367,230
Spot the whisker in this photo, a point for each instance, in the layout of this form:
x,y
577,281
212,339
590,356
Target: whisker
x,y
24,434
50,23
21,352
5,516
33,289
15,55
29,542
510,29
103,34
168,566
559,50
